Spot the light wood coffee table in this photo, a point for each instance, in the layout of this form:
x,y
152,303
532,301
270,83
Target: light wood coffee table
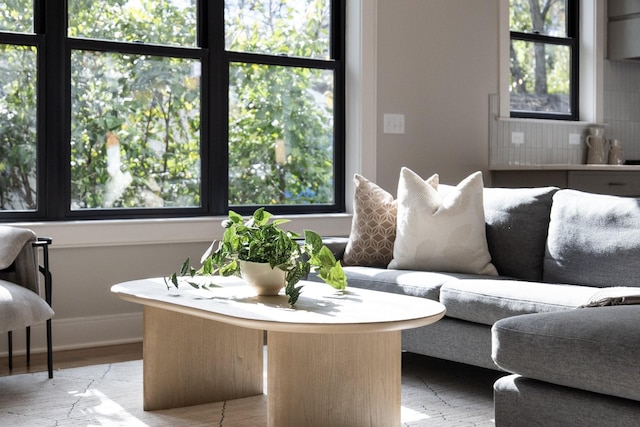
x,y
334,360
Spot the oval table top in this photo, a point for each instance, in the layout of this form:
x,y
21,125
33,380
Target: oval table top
x,y
319,309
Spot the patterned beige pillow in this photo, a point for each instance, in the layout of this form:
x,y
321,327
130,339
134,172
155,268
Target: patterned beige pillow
x,y
373,229
441,232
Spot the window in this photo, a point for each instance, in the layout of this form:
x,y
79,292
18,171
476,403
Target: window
x,y
147,108
543,59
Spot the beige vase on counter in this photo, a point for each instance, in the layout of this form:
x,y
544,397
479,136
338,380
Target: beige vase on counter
x,y
597,154
616,155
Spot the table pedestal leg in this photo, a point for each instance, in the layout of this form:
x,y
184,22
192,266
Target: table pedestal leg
x,y
334,379
189,360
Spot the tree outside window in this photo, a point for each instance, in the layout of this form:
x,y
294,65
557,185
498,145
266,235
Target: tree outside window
x,y
145,129
543,59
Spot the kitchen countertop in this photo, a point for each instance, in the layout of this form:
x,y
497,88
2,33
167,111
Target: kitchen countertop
x,y
566,167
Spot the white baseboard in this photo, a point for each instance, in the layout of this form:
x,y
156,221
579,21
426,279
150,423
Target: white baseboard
x,y
79,332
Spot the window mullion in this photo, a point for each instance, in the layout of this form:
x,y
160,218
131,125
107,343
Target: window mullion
x,y
542,38
215,156
55,75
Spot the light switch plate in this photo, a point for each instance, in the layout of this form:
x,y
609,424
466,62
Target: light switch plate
x,y
393,123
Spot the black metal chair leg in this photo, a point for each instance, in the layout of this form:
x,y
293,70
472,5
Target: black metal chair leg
x,y
44,243
10,350
49,350
28,345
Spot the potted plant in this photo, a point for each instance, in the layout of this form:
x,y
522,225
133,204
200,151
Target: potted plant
x,y
260,240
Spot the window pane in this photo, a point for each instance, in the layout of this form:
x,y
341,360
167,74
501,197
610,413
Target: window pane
x,y
280,135
540,77
16,16
288,27
546,17
169,22
18,127
135,131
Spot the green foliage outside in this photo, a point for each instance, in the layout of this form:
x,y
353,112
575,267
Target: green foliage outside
x,y
136,120
539,72
16,15
17,127
280,119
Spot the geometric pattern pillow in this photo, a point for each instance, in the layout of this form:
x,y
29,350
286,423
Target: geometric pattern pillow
x,y
373,229
441,232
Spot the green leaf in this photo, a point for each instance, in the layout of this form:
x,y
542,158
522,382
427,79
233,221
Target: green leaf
x,y
313,241
336,277
235,217
185,267
193,284
261,217
229,269
172,280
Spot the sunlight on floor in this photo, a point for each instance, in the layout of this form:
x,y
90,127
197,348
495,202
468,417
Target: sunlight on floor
x,y
409,415
106,412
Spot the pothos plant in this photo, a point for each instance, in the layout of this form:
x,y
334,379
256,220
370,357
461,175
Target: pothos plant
x,y
260,239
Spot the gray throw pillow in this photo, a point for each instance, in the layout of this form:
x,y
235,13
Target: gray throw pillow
x,y
517,221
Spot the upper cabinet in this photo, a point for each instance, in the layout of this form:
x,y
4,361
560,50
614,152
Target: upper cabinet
x,y
624,30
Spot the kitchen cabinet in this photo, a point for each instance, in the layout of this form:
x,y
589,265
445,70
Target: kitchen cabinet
x,y
623,30
613,180
529,178
616,183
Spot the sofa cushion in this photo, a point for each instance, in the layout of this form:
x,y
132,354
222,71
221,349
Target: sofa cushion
x,y
517,223
487,301
424,284
593,240
592,349
439,232
373,229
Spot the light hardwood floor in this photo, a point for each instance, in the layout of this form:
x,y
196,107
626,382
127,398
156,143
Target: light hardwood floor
x,y
72,358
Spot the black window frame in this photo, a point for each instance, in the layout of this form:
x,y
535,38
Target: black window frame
x,y
572,41
54,49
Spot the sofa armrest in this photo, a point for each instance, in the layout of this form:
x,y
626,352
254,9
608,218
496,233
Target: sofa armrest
x,y
593,349
337,245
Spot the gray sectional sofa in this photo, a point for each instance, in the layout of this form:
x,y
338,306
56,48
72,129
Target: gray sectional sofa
x,y
560,255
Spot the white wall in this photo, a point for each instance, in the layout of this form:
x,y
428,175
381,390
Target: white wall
x,y
437,64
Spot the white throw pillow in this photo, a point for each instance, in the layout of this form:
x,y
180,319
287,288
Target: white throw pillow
x,y
441,232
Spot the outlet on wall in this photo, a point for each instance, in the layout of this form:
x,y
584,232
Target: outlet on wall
x,y
574,139
517,138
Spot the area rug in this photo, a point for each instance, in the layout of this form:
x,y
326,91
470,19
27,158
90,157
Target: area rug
x,y
434,393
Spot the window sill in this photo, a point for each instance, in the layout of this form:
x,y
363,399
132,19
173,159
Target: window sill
x,y
550,121
78,234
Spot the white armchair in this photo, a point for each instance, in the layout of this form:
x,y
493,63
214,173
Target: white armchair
x,y
21,303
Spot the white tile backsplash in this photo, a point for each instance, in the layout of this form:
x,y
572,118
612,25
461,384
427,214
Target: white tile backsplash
x,y
547,142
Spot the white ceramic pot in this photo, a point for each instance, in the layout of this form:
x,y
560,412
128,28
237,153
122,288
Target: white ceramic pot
x,y
266,280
